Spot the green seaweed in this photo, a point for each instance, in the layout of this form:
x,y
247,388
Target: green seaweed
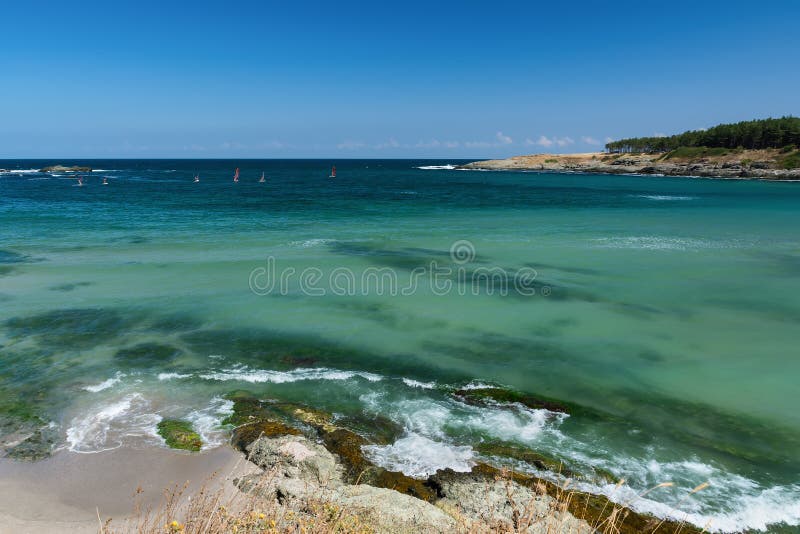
x,y
179,435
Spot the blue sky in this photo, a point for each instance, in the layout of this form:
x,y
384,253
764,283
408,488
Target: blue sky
x,y
383,79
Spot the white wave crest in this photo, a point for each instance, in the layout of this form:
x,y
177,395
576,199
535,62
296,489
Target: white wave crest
x,y
308,243
417,384
208,422
243,373
111,382
665,197
420,457
170,376
437,167
108,426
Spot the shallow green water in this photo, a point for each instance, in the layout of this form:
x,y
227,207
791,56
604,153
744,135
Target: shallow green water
x,y
666,307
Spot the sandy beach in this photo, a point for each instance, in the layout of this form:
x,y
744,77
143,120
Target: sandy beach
x,y
65,492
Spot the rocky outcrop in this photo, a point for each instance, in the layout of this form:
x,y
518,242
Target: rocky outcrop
x,y
763,164
308,456
297,469
62,168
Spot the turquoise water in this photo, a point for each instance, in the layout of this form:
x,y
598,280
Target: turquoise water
x,y
666,308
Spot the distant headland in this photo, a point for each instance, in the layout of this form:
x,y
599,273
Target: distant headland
x,y
763,149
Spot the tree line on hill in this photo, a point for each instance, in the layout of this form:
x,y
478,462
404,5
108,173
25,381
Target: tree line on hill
x,y
756,134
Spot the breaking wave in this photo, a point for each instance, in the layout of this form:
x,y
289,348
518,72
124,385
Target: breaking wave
x,y
242,373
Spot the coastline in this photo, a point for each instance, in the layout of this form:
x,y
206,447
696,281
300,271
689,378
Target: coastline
x,y
742,165
283,471
66,492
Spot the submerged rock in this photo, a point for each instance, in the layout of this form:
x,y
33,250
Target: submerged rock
x,y
536,459
179,435
507,396
147,354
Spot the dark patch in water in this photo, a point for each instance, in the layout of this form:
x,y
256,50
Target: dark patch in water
x,y
571,270
773,311
406,258
784,262
173,323
6,270
706,427
73,327
147,355
9,256
639,311
69,287
384,314
497,348
81,328
651,356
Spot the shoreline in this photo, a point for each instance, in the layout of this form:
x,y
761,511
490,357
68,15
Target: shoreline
x,y
66,492
736,165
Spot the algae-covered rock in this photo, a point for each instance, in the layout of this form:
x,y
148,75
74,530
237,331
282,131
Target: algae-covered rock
x,y
253,419
506,396
536,459
348,446
179,435
244,435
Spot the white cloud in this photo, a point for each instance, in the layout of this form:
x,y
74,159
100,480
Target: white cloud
x,y
477,144
391,143
232,145
350,145
433,143
542,141
564,141
503,139
590,140
547,142
609,139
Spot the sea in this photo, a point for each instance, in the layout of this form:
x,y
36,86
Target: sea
x,y
663,311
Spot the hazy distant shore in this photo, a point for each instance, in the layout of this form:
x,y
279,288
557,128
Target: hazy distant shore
x,y
743,164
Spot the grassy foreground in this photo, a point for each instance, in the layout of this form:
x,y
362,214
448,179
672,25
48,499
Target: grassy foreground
x,y
220,511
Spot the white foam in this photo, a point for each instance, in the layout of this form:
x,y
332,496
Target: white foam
x,y
437,167
665,197
513,424
418,456
170,376
477,385
657,243
105,384
108,426
208,422
417,384
19,171
243,373
308,243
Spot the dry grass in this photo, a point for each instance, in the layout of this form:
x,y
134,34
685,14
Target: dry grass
x,y
219,508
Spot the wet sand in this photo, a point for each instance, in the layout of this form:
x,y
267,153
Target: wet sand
x,y
65,492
